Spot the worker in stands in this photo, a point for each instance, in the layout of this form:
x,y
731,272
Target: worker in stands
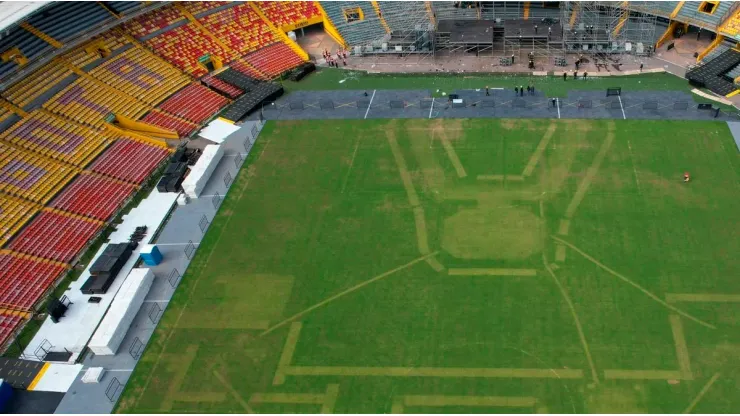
x,y
686,177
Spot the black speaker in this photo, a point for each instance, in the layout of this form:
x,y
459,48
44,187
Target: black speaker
x,y
56,309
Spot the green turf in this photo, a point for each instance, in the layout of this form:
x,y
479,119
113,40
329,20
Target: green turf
x,y
338,79
322,209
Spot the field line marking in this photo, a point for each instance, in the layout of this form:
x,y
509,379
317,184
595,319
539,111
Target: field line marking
x,y
682,350
291,398
633,284
330,398
431,108
492,272
591,173
435,264
541,146
404,171
642,375
233,392
370,103
557,104
192,291
184,361
564,226
348,291
191,397
701,394
624,116
452,155
438,372
351,164
470,401
577,321
490,177
701,297
288,350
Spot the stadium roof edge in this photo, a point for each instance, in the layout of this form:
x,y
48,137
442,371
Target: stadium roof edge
x,y
12,12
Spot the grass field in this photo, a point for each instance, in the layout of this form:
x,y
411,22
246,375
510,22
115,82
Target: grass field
x,y
462,266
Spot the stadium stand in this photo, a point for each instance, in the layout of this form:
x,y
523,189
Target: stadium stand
x,y
139,74
55,236
159,118
658,8
732,27
197,7
357,32
56,138
157,20
89,102
222,87
447,10
24,280
129,160
8,323
183,47
94,196
122,7
80,58
712,73
248,70
404,15
240,27
195,103
31,176
290,13
36,84
27,43
691,13
273,60
63,20
15,214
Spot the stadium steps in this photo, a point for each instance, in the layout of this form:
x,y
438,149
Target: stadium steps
x,y
355,33
405,16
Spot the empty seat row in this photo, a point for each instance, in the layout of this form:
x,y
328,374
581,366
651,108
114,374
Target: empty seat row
x,y
35,84
24,280
55,236
361,32
90,102
93,196
52,136
28,44
240,27
31,176
129,160
247,69
64,20
284,13
15,213
185,45
122,7
222,87
165,120
273,60
138,73
197,7
153,21
195,103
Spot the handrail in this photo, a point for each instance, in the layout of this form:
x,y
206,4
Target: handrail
x,y
78,40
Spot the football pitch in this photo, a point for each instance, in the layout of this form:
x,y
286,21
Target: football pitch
x,y
466,266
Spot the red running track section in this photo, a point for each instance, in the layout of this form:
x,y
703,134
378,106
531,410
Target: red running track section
x,y
54,236
23,281
93,196
159,118
8,324
195,103
222,87
275,59
129,161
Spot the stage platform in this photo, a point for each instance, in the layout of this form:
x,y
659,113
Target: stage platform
x,y
74,330
483,32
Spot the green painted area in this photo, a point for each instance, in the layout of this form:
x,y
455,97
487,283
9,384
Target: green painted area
x,y
310,218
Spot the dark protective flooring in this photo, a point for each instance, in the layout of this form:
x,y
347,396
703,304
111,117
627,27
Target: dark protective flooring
x,y
19,373
34,402
385,104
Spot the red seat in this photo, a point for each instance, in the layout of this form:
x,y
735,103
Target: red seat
x,y
129,160
24,281
93,196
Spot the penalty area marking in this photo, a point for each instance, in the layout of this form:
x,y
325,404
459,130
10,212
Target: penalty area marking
x,y
400,403
701,297
439,372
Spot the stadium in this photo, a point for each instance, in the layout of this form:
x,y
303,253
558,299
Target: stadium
x,y
369,207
